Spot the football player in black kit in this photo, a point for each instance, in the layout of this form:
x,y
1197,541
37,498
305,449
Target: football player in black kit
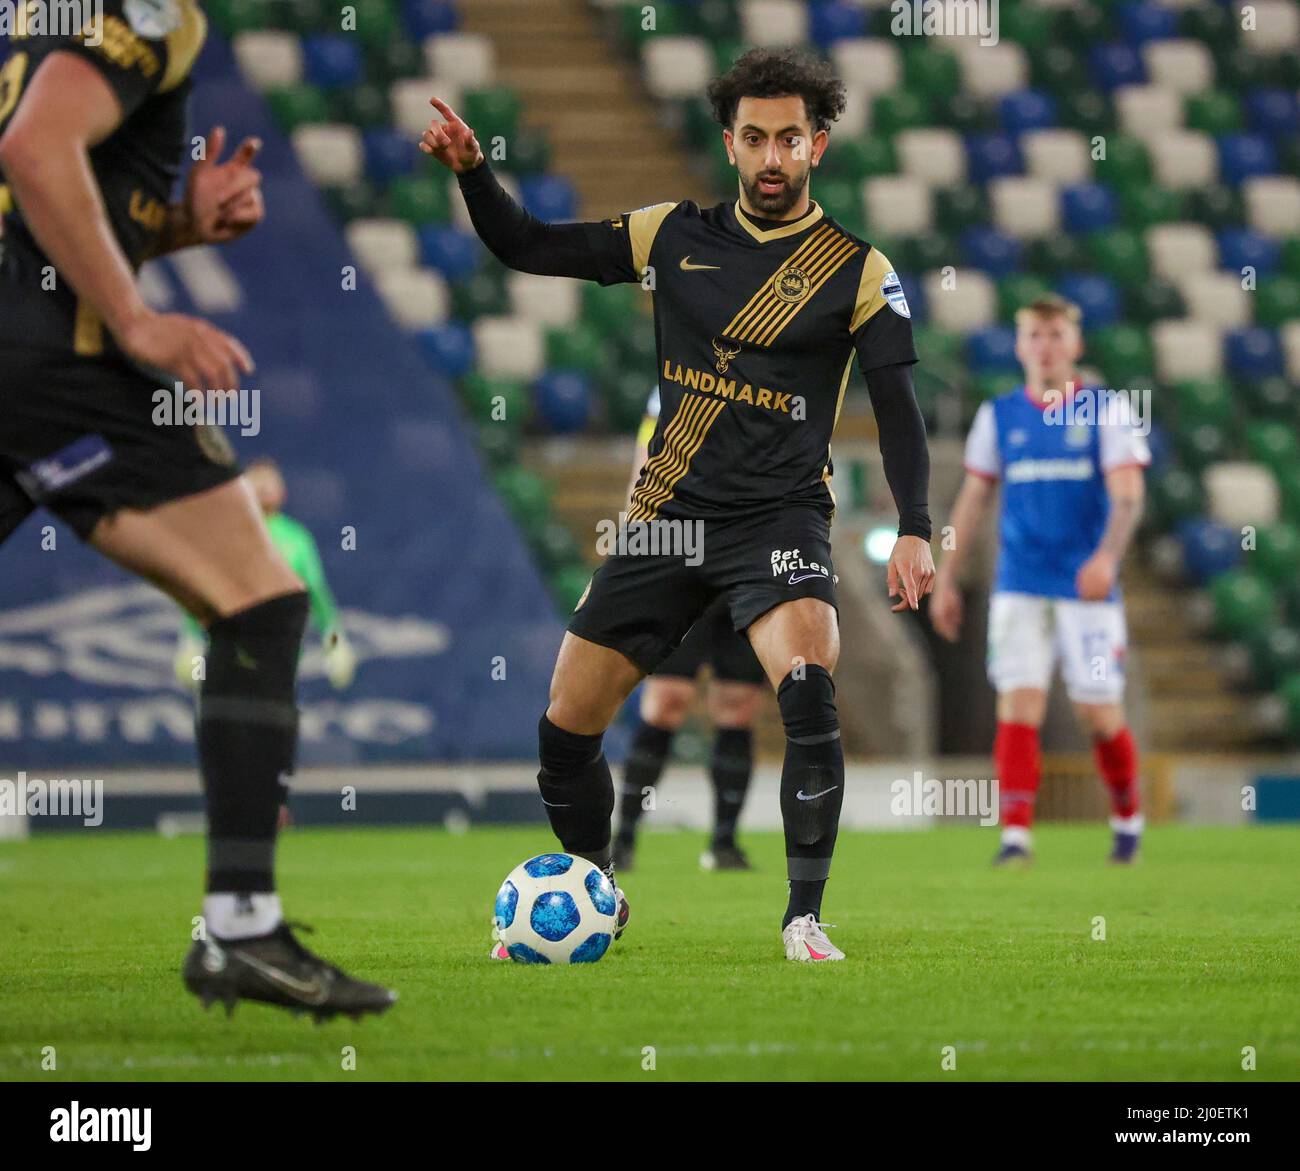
x,y
761,305
92,136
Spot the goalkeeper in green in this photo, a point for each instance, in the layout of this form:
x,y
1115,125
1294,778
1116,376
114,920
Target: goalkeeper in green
x,y
298,548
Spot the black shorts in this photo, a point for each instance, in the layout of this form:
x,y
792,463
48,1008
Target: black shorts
x,y
712,640
77,437
643,599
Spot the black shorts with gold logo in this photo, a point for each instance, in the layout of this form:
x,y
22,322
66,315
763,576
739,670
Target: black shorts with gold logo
x,y
78,437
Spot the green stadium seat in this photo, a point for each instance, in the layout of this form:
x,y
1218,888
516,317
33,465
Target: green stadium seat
x,y
1176,494
241,16
918,254
1205,400
900,110
500,445
1089,111
492,111
526,497
1144,204
528,153
1202,444
1274,655
1057,254
378,23
726,52
1127,161
567,587
1272,443
481,294
1211,24
1288,482
856,159
1123,352
965,114
991,385
1271,397
420,199
1121,254
1213,112
1277,553
578,347
668,21
610,310
362,105
639,349
1291,255
555,547
356,201
1216,206
1058,69
698,124
713,19
1155,300
486,399
1018,290
308,16
625,399
1289,693
931,71
297,105
938,345
1029,25
1277,300
960,207
842,200
393,60
1084,23
1244,605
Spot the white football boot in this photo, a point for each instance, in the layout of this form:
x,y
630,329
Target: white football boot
x,y
806,942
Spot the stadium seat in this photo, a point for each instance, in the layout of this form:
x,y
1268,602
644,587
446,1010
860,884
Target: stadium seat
x,y
1274,112
1115,65
990,71
544,299
1026,110
1184,159
1272,443
449,251
1245,156
388,153
1145,111
1272,204
424,18
868,66
1277,26
1274,655
991,155
1024,207
836,20
380,245
1185,66
1243,604
1086,207
1209,549
1178,249
993,350
416,298
1057,156
897,205
448,348
549,197
509,347
1186,349
562,401
971,304
332,155
579,347
996,252
1239,493
1253,351
1099,299
1242,248
676,67
1176,496
466,59
774,22
1276,557
935,155
269,60
332,62
1217,299
410,102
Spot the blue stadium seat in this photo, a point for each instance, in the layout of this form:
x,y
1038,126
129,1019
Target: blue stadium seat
x,y
426,17
1244,155
1086,207
997,253
992,349
1209,549
388,154
1273,111
1027,109
1161,445
453,253
549,197
1097,296
837,21
1253,351
1147,22
332,62
563,400
1114,65
448,348
991,155
1239,247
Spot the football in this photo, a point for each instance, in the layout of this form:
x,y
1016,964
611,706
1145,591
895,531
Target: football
x,y
555,909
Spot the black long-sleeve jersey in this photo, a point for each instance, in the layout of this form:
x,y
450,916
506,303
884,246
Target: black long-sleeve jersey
x,y
144,49
757,324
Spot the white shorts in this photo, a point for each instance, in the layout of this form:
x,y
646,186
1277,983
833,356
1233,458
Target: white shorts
x,y
1028,634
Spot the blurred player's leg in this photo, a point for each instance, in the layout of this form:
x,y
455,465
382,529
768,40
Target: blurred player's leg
x,y
665,700
211,552
732,708
1093,640
798,645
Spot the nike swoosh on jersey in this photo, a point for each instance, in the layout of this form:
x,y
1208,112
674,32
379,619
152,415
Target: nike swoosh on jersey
x,y
687,266
802,796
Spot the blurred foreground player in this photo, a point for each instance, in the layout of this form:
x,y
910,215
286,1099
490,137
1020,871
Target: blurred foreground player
x,y
733,697
92,135
761,303
1070,467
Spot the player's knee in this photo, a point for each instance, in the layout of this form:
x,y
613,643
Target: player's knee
x,y
255,650
562,752
807,702
665,703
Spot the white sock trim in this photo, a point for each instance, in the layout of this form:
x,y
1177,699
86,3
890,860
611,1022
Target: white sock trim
x,y
1015,835
1128,825
232,916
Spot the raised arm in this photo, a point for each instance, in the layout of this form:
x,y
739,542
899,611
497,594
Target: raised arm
x,y
608,252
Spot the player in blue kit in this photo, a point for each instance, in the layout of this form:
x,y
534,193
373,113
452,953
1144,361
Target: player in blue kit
x,y
1070,462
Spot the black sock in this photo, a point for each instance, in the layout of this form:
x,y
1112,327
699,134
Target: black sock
x,y
645,765
812,785
577,791
247,733
730,768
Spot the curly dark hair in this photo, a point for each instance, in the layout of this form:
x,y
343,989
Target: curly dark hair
x,y
776,73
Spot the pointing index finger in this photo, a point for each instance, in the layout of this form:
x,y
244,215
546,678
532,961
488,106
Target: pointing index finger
x,y
446,111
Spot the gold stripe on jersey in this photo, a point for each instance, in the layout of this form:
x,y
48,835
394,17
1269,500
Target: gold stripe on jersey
x,y
683,438
88,331
780,298
6,200
870,300
642,227
183,45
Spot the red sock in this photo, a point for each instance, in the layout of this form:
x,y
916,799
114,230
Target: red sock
x,y
1016,755
1117,761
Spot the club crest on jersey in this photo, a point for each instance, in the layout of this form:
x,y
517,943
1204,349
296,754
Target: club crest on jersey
x,y
791,285
1077,436
152,19
724,354
892,290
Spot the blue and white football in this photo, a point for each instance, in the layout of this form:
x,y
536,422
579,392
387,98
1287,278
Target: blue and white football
x,y
555,909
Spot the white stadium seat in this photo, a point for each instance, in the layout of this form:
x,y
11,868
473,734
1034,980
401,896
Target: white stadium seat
x,y
989,71
1146,110
330,153
870,64
1273,204
971,302
1024,207
544,299
382,245
933,154
410,101
1184,66
676,67
1059,156
1184,159
774,22
897,205
509,347
1240,493
269,59
1186,349
416,297
468,59
1289,335
1217,299
1177,249
1277,26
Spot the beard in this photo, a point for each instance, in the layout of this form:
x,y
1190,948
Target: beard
x,y
776,203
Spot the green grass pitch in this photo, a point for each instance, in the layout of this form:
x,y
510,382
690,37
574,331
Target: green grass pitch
x,y
1198,962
